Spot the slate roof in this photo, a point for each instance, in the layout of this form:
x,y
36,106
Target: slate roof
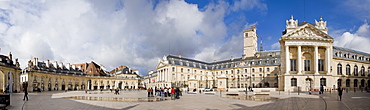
x,y
265,58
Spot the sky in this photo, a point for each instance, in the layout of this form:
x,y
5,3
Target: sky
x,y
139,33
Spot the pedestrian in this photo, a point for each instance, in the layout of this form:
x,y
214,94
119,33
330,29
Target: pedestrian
x,y
150,90
321,89
172,93
177,91
340,92
25,95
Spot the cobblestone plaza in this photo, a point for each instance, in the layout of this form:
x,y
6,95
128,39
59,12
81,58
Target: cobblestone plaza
x,y
287,101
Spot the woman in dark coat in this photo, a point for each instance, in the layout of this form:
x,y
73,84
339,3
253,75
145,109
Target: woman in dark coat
x,y
340,92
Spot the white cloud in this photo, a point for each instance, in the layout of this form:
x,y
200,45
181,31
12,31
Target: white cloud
x,y
275,45
248,4
360,8
135,33
356,41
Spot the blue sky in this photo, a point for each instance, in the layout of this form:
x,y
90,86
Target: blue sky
x,y
138,33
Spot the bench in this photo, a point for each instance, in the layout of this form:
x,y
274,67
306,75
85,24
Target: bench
x,y
263,92
232,93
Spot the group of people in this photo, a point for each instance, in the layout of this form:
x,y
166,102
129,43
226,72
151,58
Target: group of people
x,y
173,92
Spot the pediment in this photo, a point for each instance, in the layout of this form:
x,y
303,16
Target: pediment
x,y
307,31
160,64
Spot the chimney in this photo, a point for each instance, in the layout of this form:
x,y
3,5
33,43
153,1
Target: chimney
x,y
48,63
232,58
68,66
10,56
55,64
35,62
179,55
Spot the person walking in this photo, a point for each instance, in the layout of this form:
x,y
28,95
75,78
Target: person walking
x,y
25,95
321,89
340,92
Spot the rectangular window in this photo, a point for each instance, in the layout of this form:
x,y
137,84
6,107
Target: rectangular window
x,y
307,65
293,65
321,65
323,81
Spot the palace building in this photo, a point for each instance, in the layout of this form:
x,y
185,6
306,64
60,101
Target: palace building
x,y
47,76
9,74
307,59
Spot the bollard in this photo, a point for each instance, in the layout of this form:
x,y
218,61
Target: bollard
x,y
354,89
279,92
346,90
289,92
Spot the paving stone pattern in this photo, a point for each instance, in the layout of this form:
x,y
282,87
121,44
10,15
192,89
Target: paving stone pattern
x,y
54,100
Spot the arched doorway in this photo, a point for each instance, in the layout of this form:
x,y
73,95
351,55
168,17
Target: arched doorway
x,y
308,84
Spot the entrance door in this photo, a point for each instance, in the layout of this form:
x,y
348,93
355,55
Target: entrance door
x,y
63,87
309,84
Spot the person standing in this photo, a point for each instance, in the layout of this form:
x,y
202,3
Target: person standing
x,y
321,89
148,90
172,93
25,95
340,92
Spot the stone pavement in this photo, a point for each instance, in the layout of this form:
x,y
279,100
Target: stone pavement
x,y
288,101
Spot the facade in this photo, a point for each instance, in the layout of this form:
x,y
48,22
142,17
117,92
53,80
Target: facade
x,y
9,74
46,76
307,59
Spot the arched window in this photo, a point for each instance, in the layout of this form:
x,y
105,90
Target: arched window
x,y
362,71
339,69
348,69
362,83
339,82
293,81
323,81
348,83
355,83
368,73
355,70
182,70
173,69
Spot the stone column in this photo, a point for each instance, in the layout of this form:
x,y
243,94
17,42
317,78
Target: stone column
x,y
287,60
327,59
316,60
299,60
